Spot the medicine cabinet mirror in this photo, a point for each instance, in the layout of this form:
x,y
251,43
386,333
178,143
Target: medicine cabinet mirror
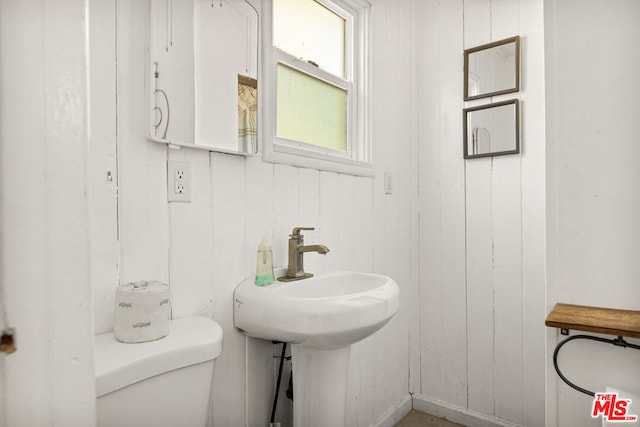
x,y
492,130
202,68
492,69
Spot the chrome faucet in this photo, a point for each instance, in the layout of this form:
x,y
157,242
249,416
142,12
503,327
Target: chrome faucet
x,y
296,250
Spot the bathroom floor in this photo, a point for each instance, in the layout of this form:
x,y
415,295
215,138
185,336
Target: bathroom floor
x,y
420,419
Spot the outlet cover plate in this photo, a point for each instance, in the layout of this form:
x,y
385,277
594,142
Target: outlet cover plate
x,y
178,181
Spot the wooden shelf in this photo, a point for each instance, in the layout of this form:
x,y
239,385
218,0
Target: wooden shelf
x,y
611,321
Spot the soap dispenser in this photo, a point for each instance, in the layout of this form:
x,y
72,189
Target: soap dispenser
x,y
264,266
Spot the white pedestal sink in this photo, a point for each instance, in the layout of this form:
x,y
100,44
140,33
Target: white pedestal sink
x,y
321,317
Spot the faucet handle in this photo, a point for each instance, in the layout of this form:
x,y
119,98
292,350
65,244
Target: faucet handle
x,y
296,231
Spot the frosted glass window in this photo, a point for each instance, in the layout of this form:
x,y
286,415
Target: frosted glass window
x,y
317,108
307,30
310,110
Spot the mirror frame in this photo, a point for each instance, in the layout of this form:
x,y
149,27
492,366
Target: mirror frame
x,y
468,52
516,142
159,116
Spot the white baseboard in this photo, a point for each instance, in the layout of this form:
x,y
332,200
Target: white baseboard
x,y
394,414
456,414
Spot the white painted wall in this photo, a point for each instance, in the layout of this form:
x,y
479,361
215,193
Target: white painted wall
x,y
593,188
205,248
45,268
471,264
482,222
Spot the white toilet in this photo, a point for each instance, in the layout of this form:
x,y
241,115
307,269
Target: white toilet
x,y
158,383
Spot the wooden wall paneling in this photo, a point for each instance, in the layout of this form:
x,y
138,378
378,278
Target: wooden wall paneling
x,y
357,230
507,283
507,242
534,181
24,216
385,216
477,23
142,194
102,192
191,246
505,21
230,266
67,314
238,202
479,250
44,127
260,206
286,210
430,189
395,340
389,58
453,208
334,193
412,296
357,227
309,216
442,300
480,286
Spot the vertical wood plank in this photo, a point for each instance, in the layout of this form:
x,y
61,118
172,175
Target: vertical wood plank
x,y
286,210
230,266
442,272
332,210
45,264
385,108
453,202
357,224
260,206
309,215
357,228
259,184
534,203
102,194
24,212
480,292
505,20
477,22
507,238
507,278
191,271
142,210
65,101
430,170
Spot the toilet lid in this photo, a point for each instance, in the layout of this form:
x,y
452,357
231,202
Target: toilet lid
x,y
192,340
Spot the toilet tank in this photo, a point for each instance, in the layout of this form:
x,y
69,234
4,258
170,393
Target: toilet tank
x,y
158,383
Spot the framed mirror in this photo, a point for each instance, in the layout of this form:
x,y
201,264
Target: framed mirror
x,y
492,69
202,68
492,130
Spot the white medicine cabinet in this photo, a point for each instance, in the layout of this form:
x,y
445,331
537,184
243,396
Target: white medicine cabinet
x,y
202,74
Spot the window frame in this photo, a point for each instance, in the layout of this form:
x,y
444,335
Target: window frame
x,y
357,160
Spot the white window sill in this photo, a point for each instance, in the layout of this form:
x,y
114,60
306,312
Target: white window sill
x,y
312,160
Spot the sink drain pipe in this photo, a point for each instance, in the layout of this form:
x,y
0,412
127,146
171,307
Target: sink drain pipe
x,y
275,397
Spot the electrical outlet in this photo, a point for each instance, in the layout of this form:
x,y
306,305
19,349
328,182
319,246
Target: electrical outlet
x,y
178,181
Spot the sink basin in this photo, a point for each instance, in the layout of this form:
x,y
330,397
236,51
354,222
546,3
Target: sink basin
x,y
321,317
327,311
